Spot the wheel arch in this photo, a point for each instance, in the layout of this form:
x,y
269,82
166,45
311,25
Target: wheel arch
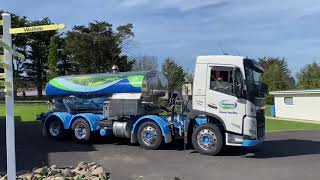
x,y
211,118
91,118
161,122
62,117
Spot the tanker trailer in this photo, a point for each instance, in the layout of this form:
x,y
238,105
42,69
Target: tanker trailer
x,y
227,106
79,102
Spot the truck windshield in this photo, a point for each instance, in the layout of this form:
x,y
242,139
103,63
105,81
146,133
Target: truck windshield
x,y
253,73
253,76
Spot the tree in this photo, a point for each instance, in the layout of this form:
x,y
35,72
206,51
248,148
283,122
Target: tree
x,y
96,48
189,77
145,63
174,73
276,75
58,61
37,65
53,58
309,76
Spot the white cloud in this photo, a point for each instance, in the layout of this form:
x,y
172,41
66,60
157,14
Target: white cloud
x,y
132,3
183,5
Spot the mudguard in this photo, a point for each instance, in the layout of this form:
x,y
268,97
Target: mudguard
x,y
161,122
93,120
64,117
67,119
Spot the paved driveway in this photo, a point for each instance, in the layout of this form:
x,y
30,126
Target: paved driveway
x,y
285,155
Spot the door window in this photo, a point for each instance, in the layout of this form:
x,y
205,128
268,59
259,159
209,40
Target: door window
x,y
221,79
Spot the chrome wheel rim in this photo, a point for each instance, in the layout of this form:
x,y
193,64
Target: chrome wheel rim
x,y
54,128
149,135
80,131
206,139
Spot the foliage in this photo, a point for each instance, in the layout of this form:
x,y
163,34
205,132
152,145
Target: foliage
x,y
53,58
94,49
276,75
37,65
58,61
309,76
145,63
174,73
189,77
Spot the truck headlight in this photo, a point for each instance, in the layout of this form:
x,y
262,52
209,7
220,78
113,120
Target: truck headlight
x,y
233,138
250,127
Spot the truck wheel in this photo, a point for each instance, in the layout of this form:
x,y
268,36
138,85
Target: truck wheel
x,y
149,135
81,130
55,129
207,139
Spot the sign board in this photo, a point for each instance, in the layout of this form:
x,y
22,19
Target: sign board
x,y
7,82
14,53
36,28
3,65
3,84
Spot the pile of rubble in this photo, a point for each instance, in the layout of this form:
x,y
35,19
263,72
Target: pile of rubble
x,y
83,171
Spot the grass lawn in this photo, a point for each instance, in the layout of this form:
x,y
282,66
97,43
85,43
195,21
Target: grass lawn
x,y
27,112
279,125
268,110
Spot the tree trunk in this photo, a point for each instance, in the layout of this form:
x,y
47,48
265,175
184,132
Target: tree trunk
x,y
39,90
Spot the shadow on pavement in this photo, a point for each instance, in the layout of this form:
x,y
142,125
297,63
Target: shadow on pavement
x,y
32,149
286,148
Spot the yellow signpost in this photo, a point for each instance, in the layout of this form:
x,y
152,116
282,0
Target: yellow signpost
x,y
14,53
3,65
36,28
6,81
3,84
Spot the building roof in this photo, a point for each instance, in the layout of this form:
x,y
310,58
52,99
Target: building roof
x,y
296,91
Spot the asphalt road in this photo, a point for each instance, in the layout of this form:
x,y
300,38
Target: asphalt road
x,y
283,156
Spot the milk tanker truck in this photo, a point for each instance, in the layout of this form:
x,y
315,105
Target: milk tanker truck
x,y
224,108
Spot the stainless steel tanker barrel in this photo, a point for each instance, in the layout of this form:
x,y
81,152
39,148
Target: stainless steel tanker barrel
x,y
151,84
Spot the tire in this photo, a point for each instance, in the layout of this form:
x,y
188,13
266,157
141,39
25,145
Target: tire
x,y
54,129
149,135
207,139
81,130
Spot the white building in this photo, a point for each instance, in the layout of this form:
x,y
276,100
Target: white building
x,y
297,104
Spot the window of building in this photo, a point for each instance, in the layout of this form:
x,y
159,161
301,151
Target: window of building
x,y
288,100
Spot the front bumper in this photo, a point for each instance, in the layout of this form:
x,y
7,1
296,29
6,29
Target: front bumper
x,y
239,140
252,142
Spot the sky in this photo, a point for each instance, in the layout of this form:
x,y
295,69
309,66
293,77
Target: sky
x,y
185,29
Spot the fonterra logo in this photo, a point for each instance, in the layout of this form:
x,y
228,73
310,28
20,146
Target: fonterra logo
x,y
227,104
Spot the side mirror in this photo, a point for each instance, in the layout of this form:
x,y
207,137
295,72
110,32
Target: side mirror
x,y
238,85
264,88
238,89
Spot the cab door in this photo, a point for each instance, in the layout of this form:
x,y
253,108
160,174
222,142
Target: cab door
x,y
221,99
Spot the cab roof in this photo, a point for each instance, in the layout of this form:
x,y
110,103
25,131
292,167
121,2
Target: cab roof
x,y
221,59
